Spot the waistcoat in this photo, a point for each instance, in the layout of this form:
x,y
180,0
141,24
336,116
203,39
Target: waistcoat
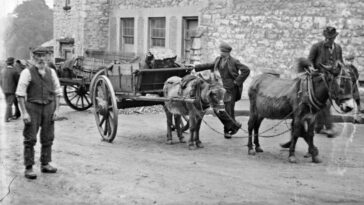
x,y
40,89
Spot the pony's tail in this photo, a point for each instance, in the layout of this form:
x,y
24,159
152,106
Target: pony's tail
x,y
303,65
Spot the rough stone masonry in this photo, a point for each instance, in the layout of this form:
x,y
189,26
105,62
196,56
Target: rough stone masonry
x,y
265,34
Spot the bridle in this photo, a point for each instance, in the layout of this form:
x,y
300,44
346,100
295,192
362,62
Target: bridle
x,y
314,102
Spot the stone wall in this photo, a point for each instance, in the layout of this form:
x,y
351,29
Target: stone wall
x,y
69,24
265,34
270,34
96,26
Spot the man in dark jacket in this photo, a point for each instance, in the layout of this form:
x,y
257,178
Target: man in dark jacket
x,y
325,54
9,81
233,74
19,67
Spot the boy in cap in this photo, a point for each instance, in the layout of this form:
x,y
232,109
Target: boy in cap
x,y
323,54
349,62
8,82
38,93
233,74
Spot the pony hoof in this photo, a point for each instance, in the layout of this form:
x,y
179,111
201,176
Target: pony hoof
x,y
316,159
169,142
258,149
285,145
307,155
292,159
251,152
181,140
199,145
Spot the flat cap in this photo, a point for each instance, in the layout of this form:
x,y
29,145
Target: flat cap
x,y
10,61
224,47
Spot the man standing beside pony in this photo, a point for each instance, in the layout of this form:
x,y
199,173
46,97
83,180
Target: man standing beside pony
x,y
233,74
325,54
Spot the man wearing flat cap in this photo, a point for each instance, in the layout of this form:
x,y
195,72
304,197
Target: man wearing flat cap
x,y
38,93
8,83
233,74
325,54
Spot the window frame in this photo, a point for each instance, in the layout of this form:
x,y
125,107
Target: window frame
x,y
158,28
123,29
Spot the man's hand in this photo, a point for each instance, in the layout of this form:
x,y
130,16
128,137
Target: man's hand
x,y
55,115
26,118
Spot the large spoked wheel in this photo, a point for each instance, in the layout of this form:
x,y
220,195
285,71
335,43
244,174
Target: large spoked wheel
x,y
94,78
105,108
77,97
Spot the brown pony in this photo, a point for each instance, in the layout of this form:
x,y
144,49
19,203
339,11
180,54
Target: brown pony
x,y
299,99
209,93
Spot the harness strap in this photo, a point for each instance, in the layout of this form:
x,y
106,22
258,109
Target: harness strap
x,y
313,100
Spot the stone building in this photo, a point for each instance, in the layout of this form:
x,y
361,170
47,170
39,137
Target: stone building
x,y
265,34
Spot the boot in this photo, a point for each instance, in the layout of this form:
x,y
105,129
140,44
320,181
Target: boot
x,y
30,174
331,133
48,169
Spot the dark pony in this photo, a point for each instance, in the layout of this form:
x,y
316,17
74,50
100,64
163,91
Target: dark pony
x,y
299,99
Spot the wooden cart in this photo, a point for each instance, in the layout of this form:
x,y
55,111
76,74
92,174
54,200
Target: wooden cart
x,y
75,76
126,85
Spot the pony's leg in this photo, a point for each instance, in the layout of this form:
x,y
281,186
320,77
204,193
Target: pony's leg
x,y
288,144
251,124
191,143
312,149
296,129
197,134
177,120
169,117
256,135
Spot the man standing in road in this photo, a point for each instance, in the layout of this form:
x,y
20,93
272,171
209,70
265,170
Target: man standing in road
x,y
325,54
38,93
233,74
8,82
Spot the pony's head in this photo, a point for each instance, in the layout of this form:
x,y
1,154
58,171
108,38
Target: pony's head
x,y
340,85
215,91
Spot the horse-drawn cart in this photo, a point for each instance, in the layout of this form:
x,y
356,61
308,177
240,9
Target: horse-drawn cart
x,y
127,85
75,76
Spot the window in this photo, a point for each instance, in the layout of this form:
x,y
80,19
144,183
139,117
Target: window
x,y
157,32
126,35
127,30
189,30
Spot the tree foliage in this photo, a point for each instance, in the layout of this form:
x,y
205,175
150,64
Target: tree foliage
x,y
32,25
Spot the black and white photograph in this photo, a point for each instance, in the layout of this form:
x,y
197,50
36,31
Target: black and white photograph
x,y
182,102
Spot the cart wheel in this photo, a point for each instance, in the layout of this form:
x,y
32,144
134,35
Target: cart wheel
x,y
77,97
105,108
92,83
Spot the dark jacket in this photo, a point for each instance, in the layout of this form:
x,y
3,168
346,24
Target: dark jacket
x,y
9,80
238,71
320,55
40,89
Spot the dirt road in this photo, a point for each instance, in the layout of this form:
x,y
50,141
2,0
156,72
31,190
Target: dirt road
x,y
139,168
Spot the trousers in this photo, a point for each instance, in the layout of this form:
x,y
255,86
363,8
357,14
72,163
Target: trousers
x,y
227,117
10,99
41,116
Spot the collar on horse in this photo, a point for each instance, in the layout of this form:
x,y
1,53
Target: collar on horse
x,y
196,89
307,85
